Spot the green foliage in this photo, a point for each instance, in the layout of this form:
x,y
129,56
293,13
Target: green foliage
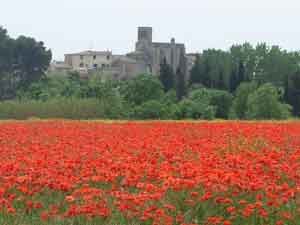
x,y
54,87
56,108
64,108
243,70
239,107
169,98
212,69
188,109
197,105
202,95
164,108
152,109
181,86
22,61
141,89
7,84
243,58
196,72
222,100
166,76
31,60
264,104
292,92
226,70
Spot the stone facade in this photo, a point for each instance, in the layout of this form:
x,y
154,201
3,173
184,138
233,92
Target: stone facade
x,y
146,58
89,60
59,66
148,55
153,53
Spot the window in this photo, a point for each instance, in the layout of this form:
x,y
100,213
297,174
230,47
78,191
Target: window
x,y
94,57
108,57
95,66
81,57
103,65
81,65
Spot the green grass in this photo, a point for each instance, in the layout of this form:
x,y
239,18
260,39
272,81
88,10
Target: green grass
x,y
57,108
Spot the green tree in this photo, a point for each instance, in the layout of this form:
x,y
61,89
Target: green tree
x,y
180,78
169,98
31,60
166,76
241,98
198,105
273,64
292,92
242,64
212,69
6,65
189,109
56,86
222,100
196,72
152,109
264,104
22,62
142,89
6,51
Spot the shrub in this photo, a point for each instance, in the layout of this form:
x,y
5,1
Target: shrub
x,y
222,100
61,108
141,89
150,110
239,107
264,104
195,110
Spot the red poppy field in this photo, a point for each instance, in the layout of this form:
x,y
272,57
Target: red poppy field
x,y
210,173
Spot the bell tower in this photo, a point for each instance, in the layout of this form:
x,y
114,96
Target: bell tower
x,y
145,34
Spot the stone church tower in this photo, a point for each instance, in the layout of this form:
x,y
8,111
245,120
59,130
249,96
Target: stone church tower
x,y
151,54
146,58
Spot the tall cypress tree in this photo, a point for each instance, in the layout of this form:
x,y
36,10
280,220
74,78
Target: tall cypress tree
x,y
221,83
292,92
195,76
242,75
180,77
166,75
233,82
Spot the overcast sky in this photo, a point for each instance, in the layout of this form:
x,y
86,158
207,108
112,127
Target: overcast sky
x,y
68,26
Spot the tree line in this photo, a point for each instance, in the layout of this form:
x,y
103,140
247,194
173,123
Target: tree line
x,y
22,61
245,82
260,64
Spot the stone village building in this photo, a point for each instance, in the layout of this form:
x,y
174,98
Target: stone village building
x,y
146,58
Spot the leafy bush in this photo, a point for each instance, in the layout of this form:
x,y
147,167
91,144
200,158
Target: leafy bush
x,y
215,103
54,87
195,110
222,100
264,104
201,95
169,98
141,89
239,107
150,110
